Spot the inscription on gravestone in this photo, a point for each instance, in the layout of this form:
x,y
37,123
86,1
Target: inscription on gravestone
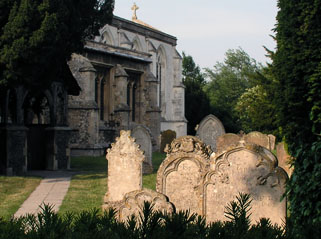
x,y
209,130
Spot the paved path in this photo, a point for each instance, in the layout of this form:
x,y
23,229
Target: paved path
x,y
51,190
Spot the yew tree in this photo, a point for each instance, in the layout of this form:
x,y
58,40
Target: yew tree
x,y
297,69
37,37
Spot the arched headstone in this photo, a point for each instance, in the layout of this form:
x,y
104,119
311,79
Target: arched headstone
x,y
209,130
143,138
180,175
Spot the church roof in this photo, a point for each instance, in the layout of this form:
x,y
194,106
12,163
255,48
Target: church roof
x,y
142,28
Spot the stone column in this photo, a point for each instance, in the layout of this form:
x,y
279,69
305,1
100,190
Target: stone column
x,y
153,112
13,150
57,148
83,112
122,110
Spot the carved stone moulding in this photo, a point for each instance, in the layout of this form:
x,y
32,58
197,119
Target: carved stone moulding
x,y
133,203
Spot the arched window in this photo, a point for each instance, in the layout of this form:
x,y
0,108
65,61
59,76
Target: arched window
x,y
107,38
137,45
160,75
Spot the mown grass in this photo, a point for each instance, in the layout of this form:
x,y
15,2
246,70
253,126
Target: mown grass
x,y
13,192
87,189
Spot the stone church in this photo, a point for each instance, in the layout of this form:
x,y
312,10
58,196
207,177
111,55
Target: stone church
x,y
129,75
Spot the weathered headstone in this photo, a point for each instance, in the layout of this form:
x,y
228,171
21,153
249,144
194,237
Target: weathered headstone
x,y
167,137
267,141
143,138
133,203
225,141
246,168
180,175
284,158
209,129
124,168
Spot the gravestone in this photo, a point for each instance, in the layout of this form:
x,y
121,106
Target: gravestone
x,y
167,137
284,158
209,130
267,141
143,138
133,203
180,175
225,141
124,168
246,168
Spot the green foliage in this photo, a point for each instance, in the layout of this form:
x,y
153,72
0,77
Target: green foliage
x,y
296,67
196,100
227,82
38,37
149,224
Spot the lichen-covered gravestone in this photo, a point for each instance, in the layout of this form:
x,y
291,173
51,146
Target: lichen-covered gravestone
x,y
180,175
143,138
133,203
246,168
124,168
209,129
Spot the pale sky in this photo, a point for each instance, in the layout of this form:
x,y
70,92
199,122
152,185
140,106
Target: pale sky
x,y
206,29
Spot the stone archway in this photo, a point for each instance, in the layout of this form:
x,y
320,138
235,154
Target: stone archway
x,y
37,117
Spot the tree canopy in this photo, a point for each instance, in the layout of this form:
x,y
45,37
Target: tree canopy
x,y
228,80
38,37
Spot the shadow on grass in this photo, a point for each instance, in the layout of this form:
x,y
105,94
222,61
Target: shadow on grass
x,y
90,176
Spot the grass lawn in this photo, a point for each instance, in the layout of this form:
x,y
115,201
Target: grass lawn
x,y
88,188
13,192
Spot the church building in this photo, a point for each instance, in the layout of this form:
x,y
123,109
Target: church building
x,y
129,75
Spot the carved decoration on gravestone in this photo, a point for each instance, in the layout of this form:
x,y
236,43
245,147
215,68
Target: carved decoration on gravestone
x,y
180,175
143,138
133,203
124,168
246,168
255,137
209,130
167,137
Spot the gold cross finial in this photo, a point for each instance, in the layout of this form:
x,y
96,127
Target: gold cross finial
x,y
134,8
